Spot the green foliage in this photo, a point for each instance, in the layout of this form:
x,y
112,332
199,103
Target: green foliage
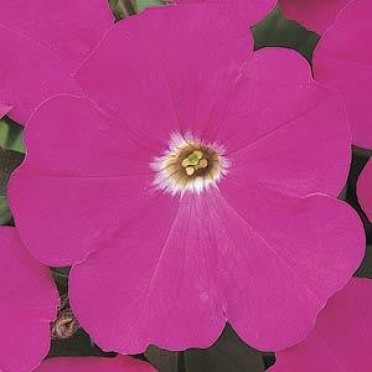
x,y
276,31
126,8
11,155
229,353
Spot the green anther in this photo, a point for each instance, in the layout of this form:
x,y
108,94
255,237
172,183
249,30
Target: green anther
x,y
193,159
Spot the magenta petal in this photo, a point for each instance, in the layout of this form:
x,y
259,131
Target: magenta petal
x,y
95,364
4,109
23,87
72,137
43,42
171,80
157,283
77,213
251,11
364,189
29,304
85,191
341,339
71,28
286,259
316,15
281,128
342,61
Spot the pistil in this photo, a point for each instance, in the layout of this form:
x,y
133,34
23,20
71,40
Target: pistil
x,y
194,162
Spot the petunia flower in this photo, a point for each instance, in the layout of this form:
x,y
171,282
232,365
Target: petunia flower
x,y
42,44
364,189
95,364
342,61
249,11
191,186
28,304
316,15
341,339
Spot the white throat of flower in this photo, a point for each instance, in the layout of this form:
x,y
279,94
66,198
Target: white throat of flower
x,y
189,165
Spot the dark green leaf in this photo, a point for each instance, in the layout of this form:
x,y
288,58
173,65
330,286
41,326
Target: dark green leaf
x,y
5,215
79,345
9,160
276,31
163,360
126,8
229,353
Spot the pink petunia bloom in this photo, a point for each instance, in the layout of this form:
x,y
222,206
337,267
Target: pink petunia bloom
x,y
341,339
42,44
95,364
29,303
342,61
364,189
316,15
249,11
191,186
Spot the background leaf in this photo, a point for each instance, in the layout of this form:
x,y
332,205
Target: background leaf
x,y
11,155
163,360
229,353
126,8
276,31
9,160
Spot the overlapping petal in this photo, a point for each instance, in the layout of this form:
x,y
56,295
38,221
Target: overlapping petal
x,y
315,15
88,177
171,74
342,61
282,129
364,189
164,290
290,250
250,11
95,364
29,304
341,340
42,44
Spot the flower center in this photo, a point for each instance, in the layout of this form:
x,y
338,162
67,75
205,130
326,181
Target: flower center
x,y
189,165
194,162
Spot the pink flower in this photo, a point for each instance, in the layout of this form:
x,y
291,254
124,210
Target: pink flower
x,y
316,15
364,189
44,43
341,339
192,187
343,61
95,364
250,11
29,304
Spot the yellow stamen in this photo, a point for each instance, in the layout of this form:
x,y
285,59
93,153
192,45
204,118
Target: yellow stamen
x,y
195,160
203,163
190,171
198,154
185,163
